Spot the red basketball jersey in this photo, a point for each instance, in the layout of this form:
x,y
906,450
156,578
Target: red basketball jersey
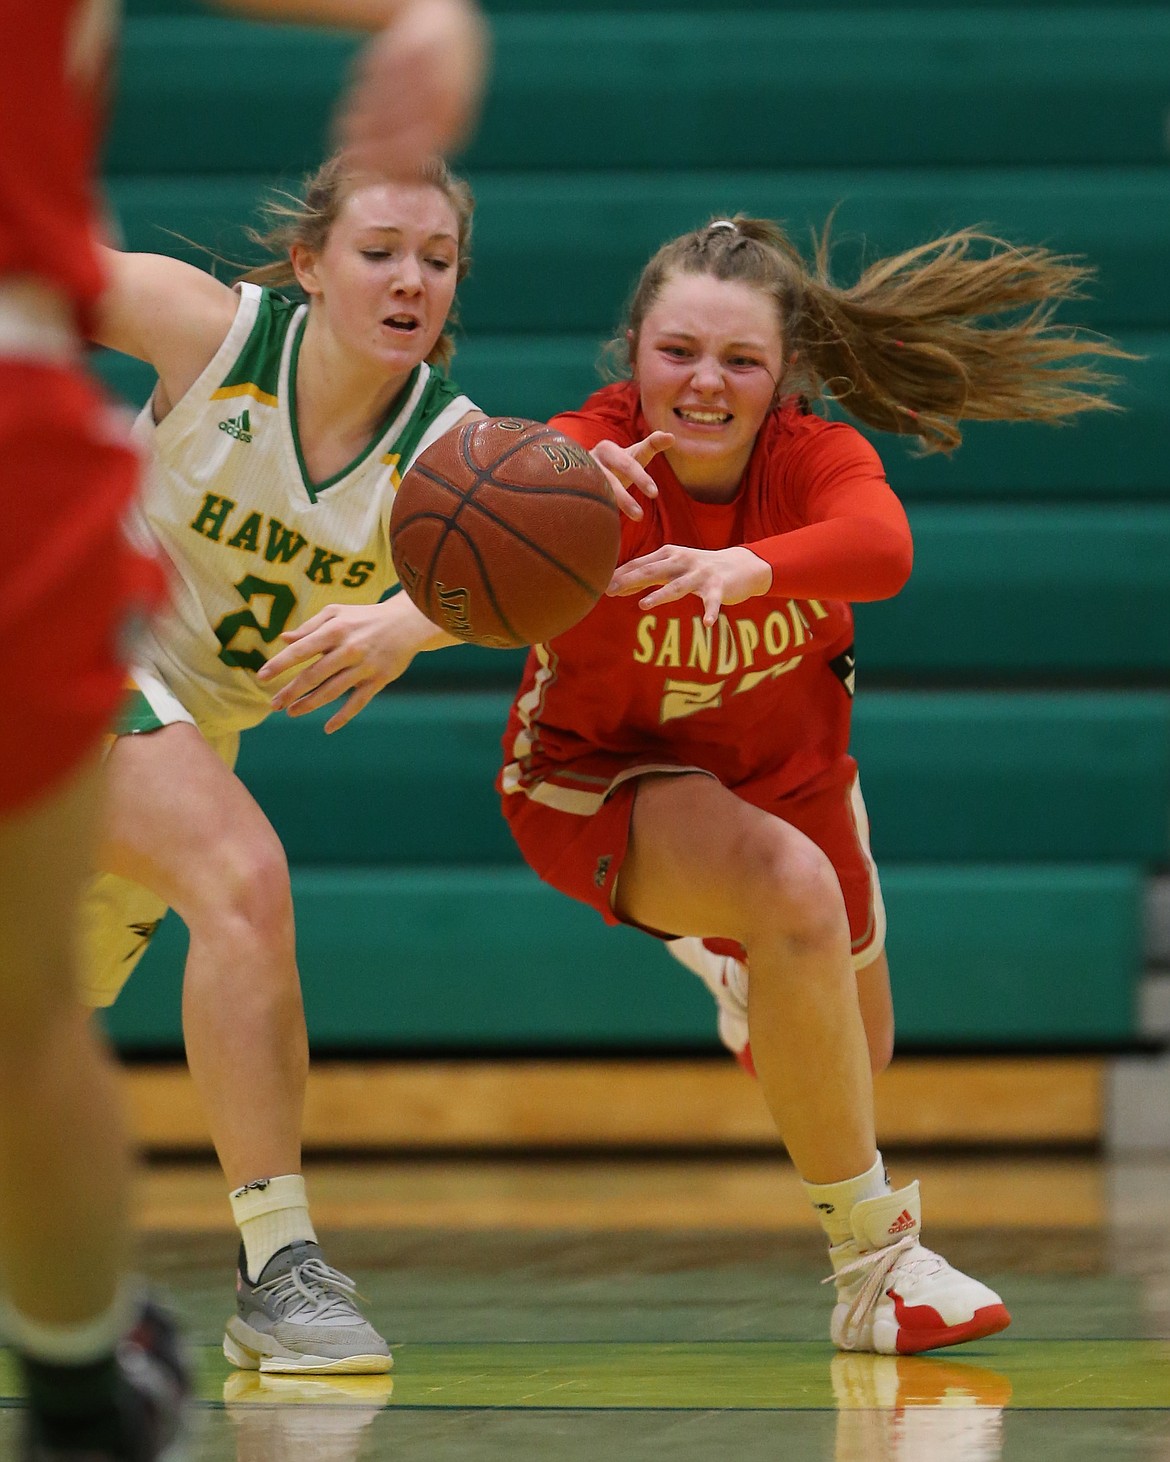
x,y
52,98
763,694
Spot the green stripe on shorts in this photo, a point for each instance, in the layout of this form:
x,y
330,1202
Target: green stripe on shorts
x,y
136,714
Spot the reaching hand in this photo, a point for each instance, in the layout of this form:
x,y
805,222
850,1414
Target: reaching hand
x,y
358,648
717,576
417,87
625,467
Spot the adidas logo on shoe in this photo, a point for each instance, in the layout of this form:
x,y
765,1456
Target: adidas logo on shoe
x,y
903,1224
239,427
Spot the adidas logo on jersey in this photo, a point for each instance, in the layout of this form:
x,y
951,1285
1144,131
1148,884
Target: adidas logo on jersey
x,y
239,427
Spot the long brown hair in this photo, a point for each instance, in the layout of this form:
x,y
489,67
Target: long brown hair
x,y
307,219
957,329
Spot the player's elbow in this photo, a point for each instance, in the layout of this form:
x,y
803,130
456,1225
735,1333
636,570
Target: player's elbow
x,y
891,558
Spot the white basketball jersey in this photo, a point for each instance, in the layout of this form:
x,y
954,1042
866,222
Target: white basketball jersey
x,y
255,547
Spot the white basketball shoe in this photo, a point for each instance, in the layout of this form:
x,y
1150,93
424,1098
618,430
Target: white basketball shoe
x,y
727,980
896,1297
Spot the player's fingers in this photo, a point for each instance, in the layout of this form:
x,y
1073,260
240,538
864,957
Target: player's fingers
x,y
321,656
321,673
310,625
712,604
632,578
648,447
651,568
642,479
622,463
667,594
637,476
287,659
327,691
356,701
625,499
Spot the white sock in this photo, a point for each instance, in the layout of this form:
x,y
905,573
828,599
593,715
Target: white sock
x,y
834,1201
270,1214
77,1344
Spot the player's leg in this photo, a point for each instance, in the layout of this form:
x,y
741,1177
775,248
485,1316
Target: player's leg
x,y
727,979
62,1144
182,825
100,1364
834,817
700,861
877,1011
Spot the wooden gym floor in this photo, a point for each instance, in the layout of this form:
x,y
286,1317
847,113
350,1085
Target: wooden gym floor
x,y
559,1308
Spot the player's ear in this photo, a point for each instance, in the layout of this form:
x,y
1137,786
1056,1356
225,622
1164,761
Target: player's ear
x,y
304,265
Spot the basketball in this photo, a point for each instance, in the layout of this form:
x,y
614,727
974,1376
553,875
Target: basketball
x,y
505,532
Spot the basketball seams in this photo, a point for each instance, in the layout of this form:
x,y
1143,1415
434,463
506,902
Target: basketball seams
x,y
466,500
473,546
485,578
528,438
537,549
484,478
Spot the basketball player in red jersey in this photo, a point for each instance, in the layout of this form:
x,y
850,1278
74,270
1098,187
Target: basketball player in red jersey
x,y
101,1364
679,759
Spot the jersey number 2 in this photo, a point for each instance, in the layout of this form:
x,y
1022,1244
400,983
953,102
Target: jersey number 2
x,y
284,601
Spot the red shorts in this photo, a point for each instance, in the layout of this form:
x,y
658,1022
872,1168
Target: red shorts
x,y
71,586
582,854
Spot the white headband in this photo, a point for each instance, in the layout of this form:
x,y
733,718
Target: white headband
x,y
722,223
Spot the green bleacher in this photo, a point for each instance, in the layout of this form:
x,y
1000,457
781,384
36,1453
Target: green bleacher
x,y
1013,716
866,87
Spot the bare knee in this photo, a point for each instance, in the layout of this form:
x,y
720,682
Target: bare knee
x,y
244,895
794,896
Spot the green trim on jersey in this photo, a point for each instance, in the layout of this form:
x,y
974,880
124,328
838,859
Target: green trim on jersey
x,y
437,395
258,363
311,487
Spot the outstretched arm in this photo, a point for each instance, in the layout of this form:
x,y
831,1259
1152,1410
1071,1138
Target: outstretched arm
x,y
854,543
417,88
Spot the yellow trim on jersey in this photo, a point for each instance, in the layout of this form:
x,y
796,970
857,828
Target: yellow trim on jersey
x,y
391,460
246,388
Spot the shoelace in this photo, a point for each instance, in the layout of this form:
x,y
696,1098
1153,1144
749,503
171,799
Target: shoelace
x,y
314,1286
880,1263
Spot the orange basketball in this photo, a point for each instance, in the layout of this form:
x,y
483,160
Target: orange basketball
x,y
505,532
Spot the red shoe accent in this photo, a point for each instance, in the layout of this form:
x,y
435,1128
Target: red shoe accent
x,y
744,1058
729,947
902,1224
921,1327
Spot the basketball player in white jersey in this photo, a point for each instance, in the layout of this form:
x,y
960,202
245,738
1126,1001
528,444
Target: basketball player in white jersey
x,y
279,433
100,1369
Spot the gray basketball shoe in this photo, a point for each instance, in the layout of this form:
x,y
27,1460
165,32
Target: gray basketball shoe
x,y
300,1318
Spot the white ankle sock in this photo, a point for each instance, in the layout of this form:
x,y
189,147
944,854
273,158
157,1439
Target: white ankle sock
x,y
834,1201
73,1345
270,1214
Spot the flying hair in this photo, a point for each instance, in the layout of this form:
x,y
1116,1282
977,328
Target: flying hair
x,y
961,328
